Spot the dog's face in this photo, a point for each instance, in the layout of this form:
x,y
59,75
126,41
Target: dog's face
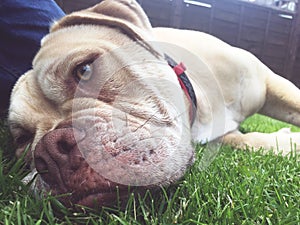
x,y
101,108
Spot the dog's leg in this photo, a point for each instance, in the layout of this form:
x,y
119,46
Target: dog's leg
x,y
281,142
282,99
283,103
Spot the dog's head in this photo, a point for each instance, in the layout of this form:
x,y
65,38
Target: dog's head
x,y
101,108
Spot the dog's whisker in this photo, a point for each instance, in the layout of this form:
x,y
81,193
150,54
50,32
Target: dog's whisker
x,y
144,124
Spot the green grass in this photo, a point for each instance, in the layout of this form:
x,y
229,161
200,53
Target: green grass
x,y
238,187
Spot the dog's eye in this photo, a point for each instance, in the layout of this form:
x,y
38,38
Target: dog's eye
x,y
84,71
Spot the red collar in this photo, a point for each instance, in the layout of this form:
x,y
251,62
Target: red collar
x,y
185,85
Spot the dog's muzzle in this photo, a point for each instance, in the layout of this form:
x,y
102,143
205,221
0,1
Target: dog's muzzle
x,y
91,162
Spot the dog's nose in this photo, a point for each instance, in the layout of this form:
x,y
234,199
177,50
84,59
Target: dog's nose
x,y
57,151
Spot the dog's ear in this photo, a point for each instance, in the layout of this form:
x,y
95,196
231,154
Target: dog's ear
x,y
127,15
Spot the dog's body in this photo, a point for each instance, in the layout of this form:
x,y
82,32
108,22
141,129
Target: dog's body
x,y
232,84
104,110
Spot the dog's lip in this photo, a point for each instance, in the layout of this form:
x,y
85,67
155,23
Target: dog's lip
x,y
91,198
100,199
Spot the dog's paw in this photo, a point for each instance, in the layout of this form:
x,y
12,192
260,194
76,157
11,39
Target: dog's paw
x,y
285,130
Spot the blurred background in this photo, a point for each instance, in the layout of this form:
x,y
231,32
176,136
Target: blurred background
x,y
270,29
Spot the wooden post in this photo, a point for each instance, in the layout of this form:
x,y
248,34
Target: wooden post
x,y
263,49
211,16
177,14
293,45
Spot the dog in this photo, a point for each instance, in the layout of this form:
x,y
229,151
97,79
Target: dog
x,y
112,103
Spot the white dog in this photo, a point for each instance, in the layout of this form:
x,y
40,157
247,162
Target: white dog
x,y
108,103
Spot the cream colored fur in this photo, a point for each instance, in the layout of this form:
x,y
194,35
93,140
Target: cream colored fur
x,y
234,84
230,83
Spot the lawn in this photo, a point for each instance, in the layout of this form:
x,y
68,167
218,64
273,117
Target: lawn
x,y
234,187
